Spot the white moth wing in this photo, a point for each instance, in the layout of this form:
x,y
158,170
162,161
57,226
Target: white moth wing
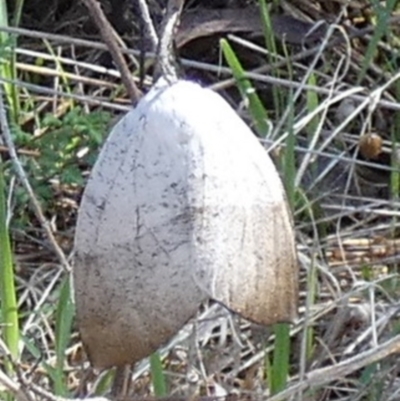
x,y
133,284
243,235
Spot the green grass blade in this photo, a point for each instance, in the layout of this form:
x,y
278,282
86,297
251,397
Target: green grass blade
x,y
289,162
9,307
9,310
270,43
60,69
256,108
7,64
19,5
312,289
280,366
157,373
64,317
269,35
395,159
105,383
383,15
312,104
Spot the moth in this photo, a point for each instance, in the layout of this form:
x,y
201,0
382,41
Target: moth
x,y
183,205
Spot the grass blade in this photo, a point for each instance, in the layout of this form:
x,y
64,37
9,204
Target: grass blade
x,y
8,294
157,373
19,5
382,26
7,66
64,317
9,307
312,104
279,368
280,365
269,36
256,108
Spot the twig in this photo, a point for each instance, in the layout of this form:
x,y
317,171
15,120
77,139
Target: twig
x,y
144,9
12,387
68,95
26,152
9,384
5,130
107,32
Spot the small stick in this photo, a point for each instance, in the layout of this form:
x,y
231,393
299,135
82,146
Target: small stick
x,y
108,35
13,388
144,9
26,152
122,381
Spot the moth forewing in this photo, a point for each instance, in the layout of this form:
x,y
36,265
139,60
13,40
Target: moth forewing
x,y
133,285
243,238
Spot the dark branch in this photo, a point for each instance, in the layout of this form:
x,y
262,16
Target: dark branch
x,y
107,33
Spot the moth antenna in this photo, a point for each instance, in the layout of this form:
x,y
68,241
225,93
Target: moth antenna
x,y
166,64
